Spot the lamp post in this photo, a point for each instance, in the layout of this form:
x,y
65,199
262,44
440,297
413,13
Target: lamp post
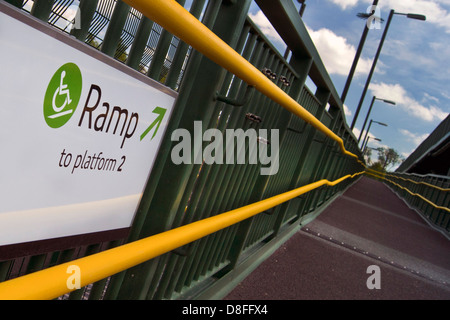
x,y
367,142
302,7
366,137
368,113
380,46
356,59
366,151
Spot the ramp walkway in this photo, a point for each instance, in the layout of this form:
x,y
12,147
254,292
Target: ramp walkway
x,y
330,257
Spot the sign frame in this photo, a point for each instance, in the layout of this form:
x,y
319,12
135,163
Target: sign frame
x,y
38,246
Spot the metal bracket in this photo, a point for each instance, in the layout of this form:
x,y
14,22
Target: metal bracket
x,y
253,117
182,251
269,212
269,73
237,103
273,76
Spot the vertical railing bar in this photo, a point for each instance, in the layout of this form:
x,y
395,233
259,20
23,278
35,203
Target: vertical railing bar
x,y
115,27
41,9
184,278
139,43
185,216
211,14
156,65
87,10
208,189
222,173
182,49
222,203
247,225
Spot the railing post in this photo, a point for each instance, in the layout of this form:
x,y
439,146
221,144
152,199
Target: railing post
x,y
16,3
41,9
155,69
115,27
182,49
323,95
195,103
301,67
87,10
329,156
139,43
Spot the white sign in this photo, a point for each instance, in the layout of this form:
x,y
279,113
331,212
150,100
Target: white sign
x,y
79,133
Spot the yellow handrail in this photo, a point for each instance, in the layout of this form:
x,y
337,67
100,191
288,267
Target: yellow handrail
x,y
52,282
420,182
178,21
416,182
410,192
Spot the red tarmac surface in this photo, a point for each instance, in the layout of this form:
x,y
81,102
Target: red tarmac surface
x,y
328,258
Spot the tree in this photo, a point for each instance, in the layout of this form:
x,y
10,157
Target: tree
x,y
377,166
387,157
367,155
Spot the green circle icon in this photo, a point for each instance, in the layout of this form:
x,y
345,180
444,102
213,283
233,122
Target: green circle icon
x,y
62,95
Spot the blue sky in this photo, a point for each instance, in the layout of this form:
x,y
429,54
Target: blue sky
x,y
413,69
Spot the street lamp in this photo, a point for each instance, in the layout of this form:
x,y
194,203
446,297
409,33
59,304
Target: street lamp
x,y
368,113
302,7
367,142
357,55
369,78
366,137
413,16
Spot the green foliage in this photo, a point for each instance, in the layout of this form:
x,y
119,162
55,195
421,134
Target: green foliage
x,y
377,166
388,157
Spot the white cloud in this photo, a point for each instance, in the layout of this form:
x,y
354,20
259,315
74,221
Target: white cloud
x,y
344,4
336,53
414,137
405,154
432,9
266,27
372,142
397,93
376,144
356,131
428,97
347,111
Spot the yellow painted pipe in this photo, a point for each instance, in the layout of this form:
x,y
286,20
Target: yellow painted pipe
x,y
420,182
405,179
53,282
178,21
411,193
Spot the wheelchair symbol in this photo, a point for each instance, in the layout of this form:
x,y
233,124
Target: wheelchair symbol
x,y
60,91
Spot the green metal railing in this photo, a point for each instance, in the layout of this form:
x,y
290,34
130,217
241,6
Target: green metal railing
x,y
428,194
434,200
177,195
52,282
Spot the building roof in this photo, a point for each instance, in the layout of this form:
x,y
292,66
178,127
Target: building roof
x,y
433,154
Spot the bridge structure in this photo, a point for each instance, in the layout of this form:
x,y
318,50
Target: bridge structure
x,y
185,158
